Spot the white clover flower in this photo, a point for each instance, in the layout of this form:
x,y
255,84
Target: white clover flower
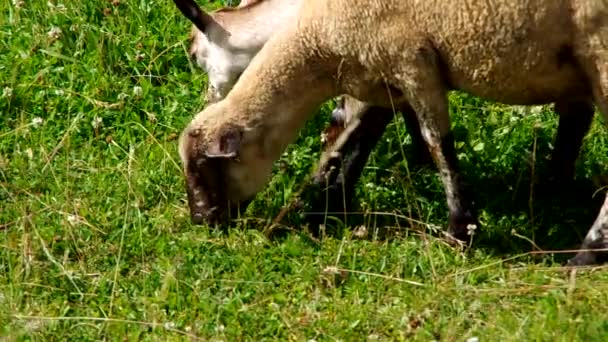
x,y
96,122
72,219
7,92
138,91
471,228
29,153
54,33
139,56
37,121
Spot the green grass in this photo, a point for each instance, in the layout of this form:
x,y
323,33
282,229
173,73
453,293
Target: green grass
x,y
96,241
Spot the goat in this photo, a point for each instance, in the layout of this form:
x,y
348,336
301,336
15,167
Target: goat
x,y
405,52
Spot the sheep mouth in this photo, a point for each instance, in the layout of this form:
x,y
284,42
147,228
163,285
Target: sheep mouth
x,y
207,197
218,214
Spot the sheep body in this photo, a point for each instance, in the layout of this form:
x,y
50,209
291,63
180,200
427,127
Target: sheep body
x,y
520,52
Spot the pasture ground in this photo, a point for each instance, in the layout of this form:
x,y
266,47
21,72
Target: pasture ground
x,y
96,243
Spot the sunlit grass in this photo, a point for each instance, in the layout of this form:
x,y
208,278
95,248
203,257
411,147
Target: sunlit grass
x,y
96,242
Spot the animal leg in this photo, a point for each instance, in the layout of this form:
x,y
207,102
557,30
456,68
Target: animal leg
x,y
343,164
597,237
574,120
337,122
418,76
421,156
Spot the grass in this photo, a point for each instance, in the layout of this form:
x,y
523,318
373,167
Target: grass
x,y
96,243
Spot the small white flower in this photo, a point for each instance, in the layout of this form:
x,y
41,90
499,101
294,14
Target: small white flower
x,y
96,122
220,328
169,325
72,219
54,33
37,121
140,56
331,270
59,92
29,153
471,229
138,91
151,117
7,92
360,232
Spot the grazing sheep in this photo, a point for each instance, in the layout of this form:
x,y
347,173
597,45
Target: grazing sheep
x,y
396,52
249,27
224,41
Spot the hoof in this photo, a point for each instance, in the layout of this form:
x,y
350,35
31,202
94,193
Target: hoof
x,y
583,259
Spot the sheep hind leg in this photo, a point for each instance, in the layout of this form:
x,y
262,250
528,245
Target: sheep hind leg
x,y
575,118
595,244
420,79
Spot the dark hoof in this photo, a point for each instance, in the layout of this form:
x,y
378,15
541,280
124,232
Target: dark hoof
x,y
583,259
463,226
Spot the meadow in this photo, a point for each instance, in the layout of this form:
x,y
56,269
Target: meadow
x,y
96,242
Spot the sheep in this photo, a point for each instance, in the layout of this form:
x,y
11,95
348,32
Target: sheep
x,y
224,42
398,52
225,59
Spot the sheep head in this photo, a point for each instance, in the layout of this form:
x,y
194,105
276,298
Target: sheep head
x,y
223,170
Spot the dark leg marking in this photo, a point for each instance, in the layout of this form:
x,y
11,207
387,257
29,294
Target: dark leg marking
x,y
421,156
574,121
463,216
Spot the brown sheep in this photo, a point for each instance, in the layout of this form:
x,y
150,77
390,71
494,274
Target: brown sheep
x,y
395,52
249,28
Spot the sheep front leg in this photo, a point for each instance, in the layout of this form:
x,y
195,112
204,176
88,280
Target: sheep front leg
x,y
420,79
333,183
574,120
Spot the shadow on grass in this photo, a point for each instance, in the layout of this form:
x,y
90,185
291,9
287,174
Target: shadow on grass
x,y
553,214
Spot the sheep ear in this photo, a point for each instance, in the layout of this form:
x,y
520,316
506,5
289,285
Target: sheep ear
x,y
201,19
226,144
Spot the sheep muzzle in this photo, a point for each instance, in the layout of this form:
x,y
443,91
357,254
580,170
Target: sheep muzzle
x,y
207,194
